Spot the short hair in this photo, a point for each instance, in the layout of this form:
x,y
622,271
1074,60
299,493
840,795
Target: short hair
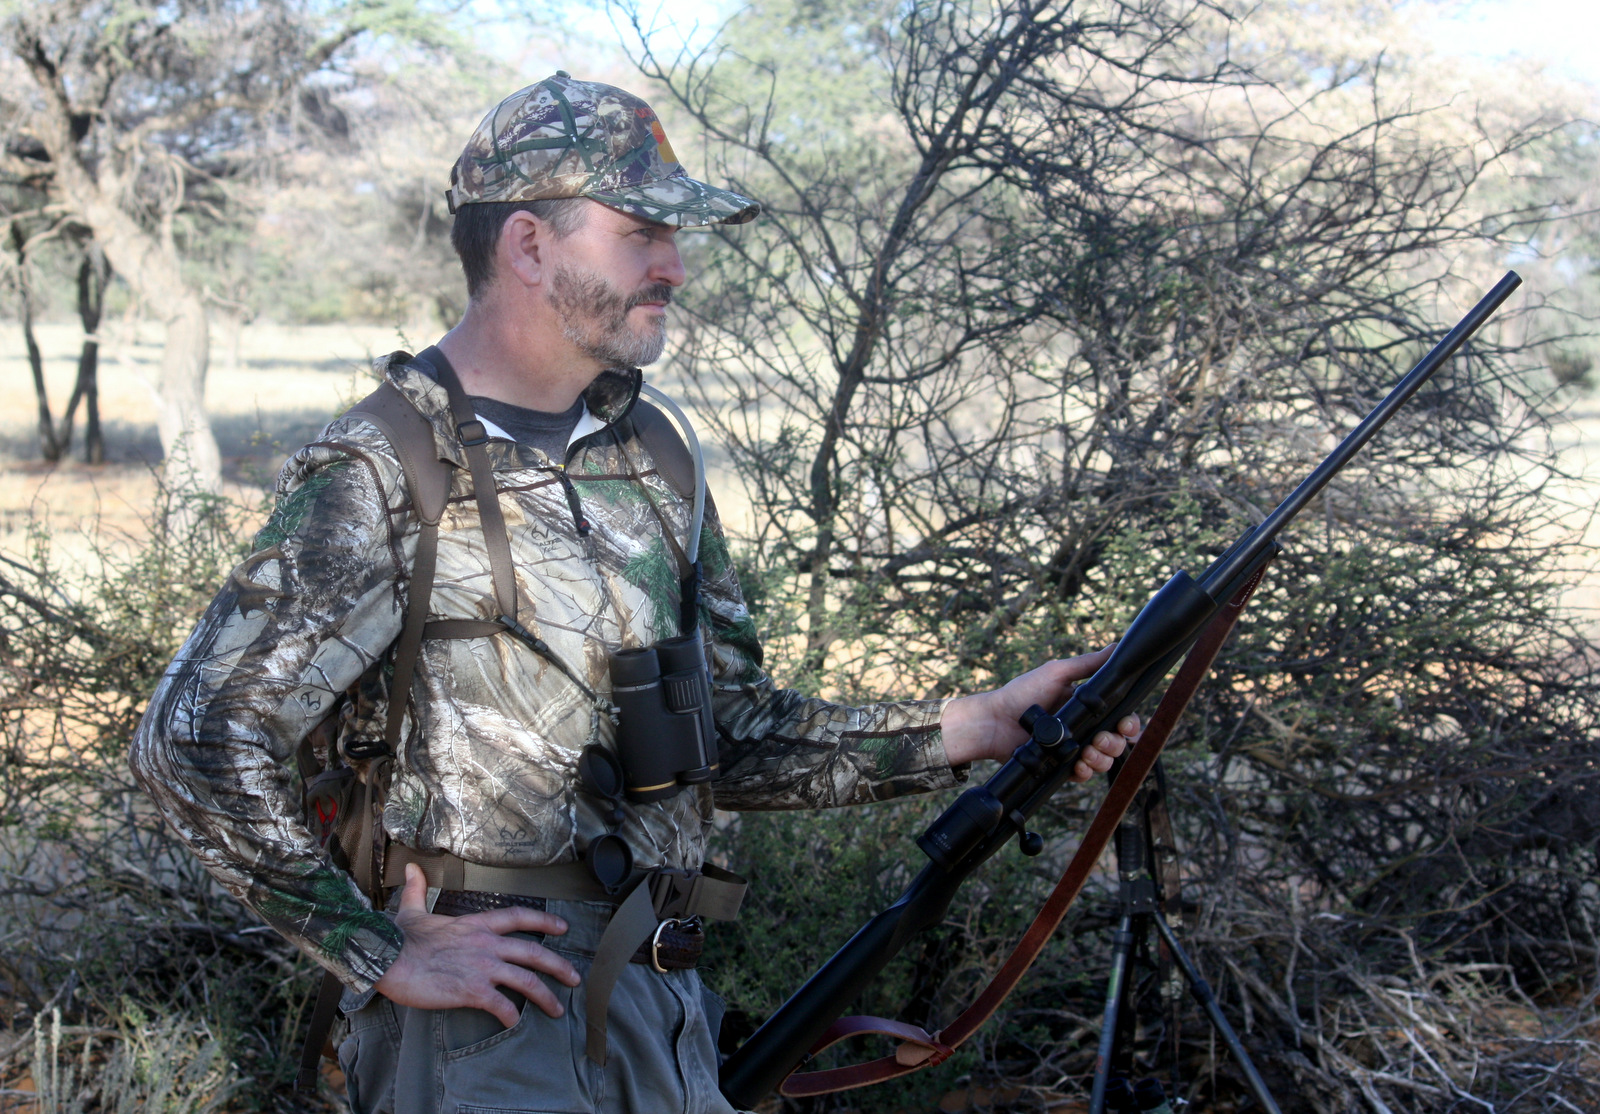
x,y
477,228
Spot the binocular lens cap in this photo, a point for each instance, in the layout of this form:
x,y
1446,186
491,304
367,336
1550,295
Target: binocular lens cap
x,y
600,772
610,861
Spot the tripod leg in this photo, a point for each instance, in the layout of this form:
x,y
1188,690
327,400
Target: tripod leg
x,y
1208,1001
1121,949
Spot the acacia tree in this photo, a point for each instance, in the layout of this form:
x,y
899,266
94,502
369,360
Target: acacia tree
x,y
1013,271
135,118
1049,298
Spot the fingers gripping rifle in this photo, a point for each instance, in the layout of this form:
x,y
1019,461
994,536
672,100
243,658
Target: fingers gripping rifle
x,y
983,819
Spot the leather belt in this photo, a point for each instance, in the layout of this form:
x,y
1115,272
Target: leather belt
x,y
645,907
676,945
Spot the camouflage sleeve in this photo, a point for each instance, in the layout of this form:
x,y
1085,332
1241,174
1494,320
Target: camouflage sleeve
x,y
782,749
297,622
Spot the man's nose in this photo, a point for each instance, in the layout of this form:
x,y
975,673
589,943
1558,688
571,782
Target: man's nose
x,y
667,265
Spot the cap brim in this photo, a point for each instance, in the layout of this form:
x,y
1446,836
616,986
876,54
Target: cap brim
x,y
679,200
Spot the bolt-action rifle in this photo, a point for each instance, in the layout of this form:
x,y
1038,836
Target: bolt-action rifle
x,y
984,818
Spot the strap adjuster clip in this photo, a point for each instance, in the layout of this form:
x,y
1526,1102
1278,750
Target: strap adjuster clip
x,y
672,892
472,433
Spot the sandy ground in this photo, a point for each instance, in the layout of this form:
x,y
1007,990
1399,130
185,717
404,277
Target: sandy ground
x,y
279,388
1577,495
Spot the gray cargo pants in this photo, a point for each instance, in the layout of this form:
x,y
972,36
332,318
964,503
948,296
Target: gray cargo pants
x,y
660,1032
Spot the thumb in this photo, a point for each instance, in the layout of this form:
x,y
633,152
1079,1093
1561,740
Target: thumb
x,y
414,898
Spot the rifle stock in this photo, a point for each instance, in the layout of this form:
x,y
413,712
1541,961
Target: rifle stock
x,y
986,817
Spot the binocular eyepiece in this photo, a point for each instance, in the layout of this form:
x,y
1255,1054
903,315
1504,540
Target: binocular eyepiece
x,y
666,738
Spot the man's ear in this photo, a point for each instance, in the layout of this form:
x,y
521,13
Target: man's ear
x,y
524,240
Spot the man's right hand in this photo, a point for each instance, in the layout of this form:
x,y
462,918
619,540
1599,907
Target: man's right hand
x,y
447,962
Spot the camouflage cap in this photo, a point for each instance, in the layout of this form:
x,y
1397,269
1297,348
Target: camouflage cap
x,y
568,138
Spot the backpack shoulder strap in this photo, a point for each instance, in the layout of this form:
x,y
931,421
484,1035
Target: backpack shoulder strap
x,y
427,480
411,437
666,446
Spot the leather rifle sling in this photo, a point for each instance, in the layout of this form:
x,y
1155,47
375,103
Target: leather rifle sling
x,y
918,1048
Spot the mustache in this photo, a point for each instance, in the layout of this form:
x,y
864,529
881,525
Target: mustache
x,y
657,292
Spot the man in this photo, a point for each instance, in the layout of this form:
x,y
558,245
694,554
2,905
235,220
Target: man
x,y
568,202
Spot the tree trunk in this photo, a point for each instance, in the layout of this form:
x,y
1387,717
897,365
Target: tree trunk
x,y
149,265
192,457
150,268
49,448
93,275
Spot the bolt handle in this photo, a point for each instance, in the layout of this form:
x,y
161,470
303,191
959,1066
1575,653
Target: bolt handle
x,y
1029,843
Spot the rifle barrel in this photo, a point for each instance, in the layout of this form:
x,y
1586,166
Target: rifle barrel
x,y
1228,566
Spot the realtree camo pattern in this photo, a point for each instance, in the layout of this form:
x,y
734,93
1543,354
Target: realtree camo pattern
x,y
566,138
487,764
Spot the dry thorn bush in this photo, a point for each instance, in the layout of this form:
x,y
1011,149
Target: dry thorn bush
x,y
130,981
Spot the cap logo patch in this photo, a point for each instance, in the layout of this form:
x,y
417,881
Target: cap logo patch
x,y
667,154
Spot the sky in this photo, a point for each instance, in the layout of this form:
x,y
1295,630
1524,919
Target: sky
x,y
1565,33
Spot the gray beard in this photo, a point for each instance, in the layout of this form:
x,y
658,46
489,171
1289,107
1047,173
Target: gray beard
x,y
594,317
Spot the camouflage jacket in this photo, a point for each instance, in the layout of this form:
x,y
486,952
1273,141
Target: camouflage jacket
x,y
486,768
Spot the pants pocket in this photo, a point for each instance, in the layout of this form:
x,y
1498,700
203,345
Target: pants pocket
x,y
369,1056
462,1030
536,1065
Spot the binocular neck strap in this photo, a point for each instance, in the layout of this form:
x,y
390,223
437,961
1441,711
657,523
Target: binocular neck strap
x,y
472,437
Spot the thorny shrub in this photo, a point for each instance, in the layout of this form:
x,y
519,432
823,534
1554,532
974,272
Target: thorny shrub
x,y
1048,300
1437,957
127,978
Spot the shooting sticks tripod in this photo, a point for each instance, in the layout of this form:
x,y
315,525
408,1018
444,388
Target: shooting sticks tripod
x,y
1146,879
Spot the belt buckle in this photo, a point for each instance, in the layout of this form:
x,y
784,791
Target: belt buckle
x,y
655,943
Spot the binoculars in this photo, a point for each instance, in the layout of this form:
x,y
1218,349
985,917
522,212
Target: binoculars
x,y
665,735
